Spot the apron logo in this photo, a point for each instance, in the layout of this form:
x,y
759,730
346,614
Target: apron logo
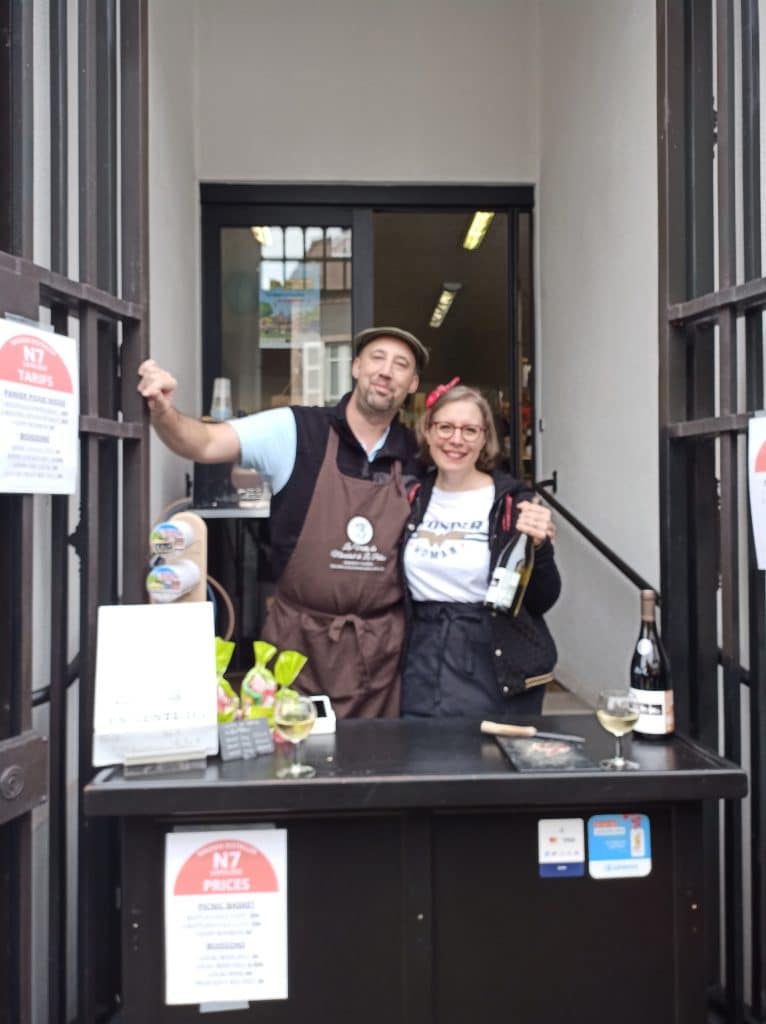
x,y
359,530
357,553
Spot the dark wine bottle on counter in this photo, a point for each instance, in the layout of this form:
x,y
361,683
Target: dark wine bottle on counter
x,y
650,683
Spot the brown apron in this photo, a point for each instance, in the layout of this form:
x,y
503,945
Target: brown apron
x,y
339,599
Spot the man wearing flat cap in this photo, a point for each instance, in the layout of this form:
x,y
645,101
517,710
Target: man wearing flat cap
x,y
338,510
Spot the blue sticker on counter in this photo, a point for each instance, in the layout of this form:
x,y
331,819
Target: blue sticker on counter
x,y
561,847
619,846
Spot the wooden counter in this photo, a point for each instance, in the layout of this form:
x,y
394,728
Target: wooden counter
x,y
414,888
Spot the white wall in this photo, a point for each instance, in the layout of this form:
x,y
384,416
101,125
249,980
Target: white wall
x,y
597,219
349,90
174,223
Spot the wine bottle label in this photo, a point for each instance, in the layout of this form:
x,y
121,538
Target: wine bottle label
x,y
492,589
508,585
655,717
502,588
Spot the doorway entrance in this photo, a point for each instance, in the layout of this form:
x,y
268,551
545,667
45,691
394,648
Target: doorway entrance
x,y
291,274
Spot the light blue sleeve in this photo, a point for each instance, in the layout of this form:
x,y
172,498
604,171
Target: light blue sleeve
x,y
268,442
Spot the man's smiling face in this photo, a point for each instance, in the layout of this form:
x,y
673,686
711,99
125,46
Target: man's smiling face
x,y
385,373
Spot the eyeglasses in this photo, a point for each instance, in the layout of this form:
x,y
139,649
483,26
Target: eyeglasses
x,y
469,433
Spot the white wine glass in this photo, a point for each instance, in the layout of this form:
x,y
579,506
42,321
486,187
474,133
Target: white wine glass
x,y
294,716
617,712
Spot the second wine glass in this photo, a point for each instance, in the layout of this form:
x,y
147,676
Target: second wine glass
x,y
294,717
617,712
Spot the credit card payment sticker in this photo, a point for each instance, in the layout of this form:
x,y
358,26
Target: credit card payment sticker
x,y
561,847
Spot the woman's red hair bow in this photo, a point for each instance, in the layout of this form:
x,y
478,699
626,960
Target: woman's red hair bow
x,y
442,389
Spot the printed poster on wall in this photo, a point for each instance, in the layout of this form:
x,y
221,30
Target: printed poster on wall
x,y
290,315
225,916
39,411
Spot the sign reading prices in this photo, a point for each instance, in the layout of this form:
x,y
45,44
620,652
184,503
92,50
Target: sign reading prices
x,y
39,411
225,916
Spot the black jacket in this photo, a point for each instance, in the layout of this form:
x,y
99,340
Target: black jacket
x,y
523,650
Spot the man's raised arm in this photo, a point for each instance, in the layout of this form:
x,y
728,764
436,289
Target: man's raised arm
x,y
184,435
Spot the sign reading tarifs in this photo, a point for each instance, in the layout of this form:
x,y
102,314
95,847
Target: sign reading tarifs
x,y
39,411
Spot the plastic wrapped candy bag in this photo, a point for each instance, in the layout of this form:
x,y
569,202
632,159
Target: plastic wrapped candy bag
x,y
287,666
228,701
259,685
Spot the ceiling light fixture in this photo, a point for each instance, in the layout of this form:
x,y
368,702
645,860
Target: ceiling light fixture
x,y
443,303
477,229
262,235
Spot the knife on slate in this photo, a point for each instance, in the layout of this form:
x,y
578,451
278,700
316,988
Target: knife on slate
x,y
504,729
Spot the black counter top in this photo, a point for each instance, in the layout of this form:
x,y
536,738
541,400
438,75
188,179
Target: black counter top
x,y
448,763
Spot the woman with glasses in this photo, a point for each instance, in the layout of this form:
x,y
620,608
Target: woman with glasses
x,y
464,657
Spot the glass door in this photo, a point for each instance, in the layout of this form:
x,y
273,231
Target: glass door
x,y
278,317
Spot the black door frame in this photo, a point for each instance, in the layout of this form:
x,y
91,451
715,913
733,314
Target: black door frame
x,y
240,205
107,297
711,290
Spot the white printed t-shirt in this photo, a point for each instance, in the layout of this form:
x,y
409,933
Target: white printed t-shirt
x,y
447,557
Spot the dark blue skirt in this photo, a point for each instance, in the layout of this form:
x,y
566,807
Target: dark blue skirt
x,y
450,665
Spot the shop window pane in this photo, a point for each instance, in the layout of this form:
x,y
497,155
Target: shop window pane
x,y
295,275
315,243
338,370
276,326
338,241
334,275
272,274
272,247
312,274
294,244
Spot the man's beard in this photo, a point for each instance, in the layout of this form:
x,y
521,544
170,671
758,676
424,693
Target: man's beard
x,y
372,401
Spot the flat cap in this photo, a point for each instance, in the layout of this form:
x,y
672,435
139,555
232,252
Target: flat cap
x,y
418,348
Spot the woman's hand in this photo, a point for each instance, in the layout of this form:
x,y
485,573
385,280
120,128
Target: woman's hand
x,y
536,522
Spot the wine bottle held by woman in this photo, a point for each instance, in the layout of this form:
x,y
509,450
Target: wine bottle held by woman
x,y
512,573
650,682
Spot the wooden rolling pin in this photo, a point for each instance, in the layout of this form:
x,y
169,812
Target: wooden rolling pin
x,y
502,729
